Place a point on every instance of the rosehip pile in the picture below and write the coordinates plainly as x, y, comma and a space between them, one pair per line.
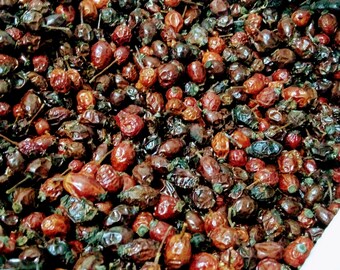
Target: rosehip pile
167, 134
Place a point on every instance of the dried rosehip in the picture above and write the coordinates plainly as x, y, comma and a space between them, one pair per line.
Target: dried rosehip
55, 225
297, 251
178, 251
101, 54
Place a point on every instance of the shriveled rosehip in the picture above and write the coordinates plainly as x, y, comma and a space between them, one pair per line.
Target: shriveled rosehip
194, 221
168, 207
52, 188
322, 38
328, 23
60, 81
82, 185
41, 126
269, 249
178, 251
220, 145
55, 225
122, 156
167, 75
67, 11
171, 147
40, 63
174, 92
108, 178
252, 24
76, 165
129, 124
215, 219
101, 54
172, 3
269, 263
254, 164
297, 251
254, 84
216, 44
121, 54
267, 97
204, 261
174, 19
33, 221
300, 95
88, 10
281, 75
191, 113
85, 100
4, 109
159, 228
240, 139
237, 157
141, 225
290, 162
223, 237
211, 56
148, 77
196, 72
211, 101
121, 35
301, 17
293, 140
267, 175
289, 183
100, 3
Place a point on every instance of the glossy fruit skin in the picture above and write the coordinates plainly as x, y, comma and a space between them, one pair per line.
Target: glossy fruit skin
269, 264
194, 221
33, 221
122, 156
301, 17
254, 164
289, 183
85, 100
178, 251
55, 225
297, 251
196, 72
174, 19
130, 124
121, 35
220, 145
168, 207
328, 23
141, 225
40, 63
67, 11
203, 261
269, 250
101, 54
159, 228
41, 126
223, 237
60, 81
237, 157
109, 179
293, 140
82, 185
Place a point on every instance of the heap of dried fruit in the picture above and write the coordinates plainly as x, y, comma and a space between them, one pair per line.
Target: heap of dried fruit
167, 134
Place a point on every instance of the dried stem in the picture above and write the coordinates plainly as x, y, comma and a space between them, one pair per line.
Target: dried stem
101, 72
9, 191
9, 140
36, 114
158, 254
